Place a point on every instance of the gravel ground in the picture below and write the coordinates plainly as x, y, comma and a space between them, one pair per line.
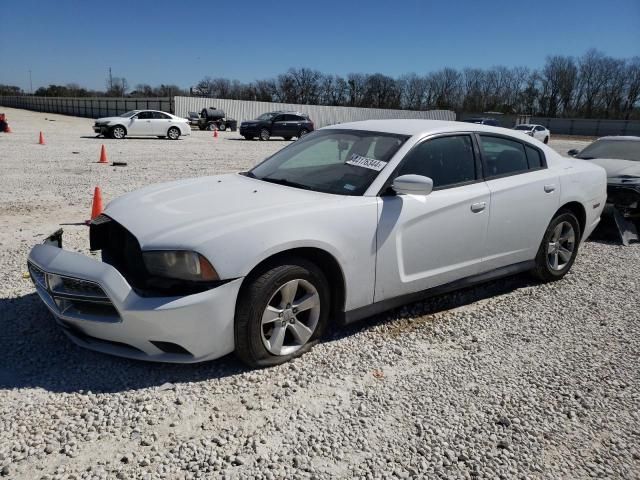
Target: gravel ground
510, 380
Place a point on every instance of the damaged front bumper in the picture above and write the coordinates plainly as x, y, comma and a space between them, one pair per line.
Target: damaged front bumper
98, 309
623, 205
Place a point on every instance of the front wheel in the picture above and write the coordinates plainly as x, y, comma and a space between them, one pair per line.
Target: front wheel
281, 313
118, 132
264, 134
559, 247
173, 133
303, 132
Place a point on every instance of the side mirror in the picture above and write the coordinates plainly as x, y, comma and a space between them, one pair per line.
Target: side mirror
573, 152
412, 185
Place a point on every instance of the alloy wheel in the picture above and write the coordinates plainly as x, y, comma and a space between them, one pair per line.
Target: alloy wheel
291, 317
561, 246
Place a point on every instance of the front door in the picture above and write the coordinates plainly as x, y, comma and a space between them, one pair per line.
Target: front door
428, 240
279, 127
140, 124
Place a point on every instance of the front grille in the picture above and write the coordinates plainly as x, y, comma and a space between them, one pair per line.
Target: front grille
76, 287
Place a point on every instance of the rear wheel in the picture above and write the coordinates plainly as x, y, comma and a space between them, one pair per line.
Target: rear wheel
303, 132
264, 134
211, 127
173, 133
559, 247
222, 127
281, 313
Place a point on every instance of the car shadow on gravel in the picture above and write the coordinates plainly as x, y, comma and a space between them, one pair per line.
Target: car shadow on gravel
397, 318
93, 137
36, 354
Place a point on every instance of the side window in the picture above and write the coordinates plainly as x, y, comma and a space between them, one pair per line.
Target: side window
534, 157
539, 128
290, 118
279, 118
503, 156
144, 115
446, 160
160, 116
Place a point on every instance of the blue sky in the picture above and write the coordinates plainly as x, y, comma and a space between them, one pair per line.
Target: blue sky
160, 41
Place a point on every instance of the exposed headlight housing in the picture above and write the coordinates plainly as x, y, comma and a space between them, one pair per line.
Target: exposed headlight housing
180, 265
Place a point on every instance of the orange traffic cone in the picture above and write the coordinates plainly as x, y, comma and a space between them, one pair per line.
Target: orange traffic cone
103, 155
41, 141
96, 207
7, 129
215, 133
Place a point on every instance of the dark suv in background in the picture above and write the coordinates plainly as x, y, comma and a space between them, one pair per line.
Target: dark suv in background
277, 124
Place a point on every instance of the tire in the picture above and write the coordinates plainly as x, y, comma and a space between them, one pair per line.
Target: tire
546, 140
248, 137
222, 127
263, 295
264, 135
303, 132
211, 127
118, 132
551, 263
287, 138
173, 133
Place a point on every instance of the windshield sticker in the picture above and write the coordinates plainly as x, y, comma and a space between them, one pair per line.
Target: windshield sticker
370, 163
348, 186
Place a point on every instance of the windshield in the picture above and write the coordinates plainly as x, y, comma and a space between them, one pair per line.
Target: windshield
621, 149
524, 127
128, 114
266, 116
344, 162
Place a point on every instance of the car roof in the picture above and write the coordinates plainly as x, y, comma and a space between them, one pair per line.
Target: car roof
417, 126
621, 137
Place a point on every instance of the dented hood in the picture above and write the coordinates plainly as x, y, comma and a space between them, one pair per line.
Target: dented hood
188, 212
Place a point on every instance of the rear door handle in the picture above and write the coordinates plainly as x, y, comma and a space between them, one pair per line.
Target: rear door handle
478, 207
549, 188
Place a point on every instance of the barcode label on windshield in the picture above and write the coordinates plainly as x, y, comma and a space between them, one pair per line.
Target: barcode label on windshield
370, 163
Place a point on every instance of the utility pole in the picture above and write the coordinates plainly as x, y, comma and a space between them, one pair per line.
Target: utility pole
110, 80
30, 83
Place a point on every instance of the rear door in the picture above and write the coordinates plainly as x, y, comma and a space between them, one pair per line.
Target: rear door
525, 194
428, 240
279, 127
160, 123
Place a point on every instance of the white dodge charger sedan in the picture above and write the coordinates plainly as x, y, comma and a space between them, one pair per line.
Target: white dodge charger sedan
349, 221
143, 123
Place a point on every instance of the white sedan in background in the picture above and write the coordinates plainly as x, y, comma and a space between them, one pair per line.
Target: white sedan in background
349, 221
143, 123
538, 132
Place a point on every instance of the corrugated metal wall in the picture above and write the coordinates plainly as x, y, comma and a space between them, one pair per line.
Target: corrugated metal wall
321, 115
92, 107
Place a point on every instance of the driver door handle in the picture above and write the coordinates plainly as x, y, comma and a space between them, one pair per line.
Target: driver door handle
549, 188
478, 207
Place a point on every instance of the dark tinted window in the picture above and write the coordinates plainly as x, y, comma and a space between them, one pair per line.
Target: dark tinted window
291, 118
160, 116
279, 118
534, 157
503, 156
145, 115
446, 160
539, 128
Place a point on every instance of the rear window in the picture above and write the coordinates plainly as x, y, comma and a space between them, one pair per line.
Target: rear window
534, 157
503, 156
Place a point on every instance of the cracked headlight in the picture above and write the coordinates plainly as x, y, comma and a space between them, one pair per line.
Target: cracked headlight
179, 264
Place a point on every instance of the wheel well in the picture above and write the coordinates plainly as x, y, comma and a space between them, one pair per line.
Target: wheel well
323, 260
118, 125
578, 210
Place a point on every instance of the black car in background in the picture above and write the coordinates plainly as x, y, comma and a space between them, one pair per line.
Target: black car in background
277, 124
